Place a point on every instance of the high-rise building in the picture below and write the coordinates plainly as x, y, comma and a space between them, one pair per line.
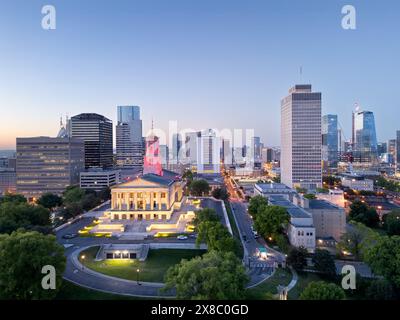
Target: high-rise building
330, 143
97, 133
191, 147
397, 158
152, 158
176, 147
267, 154
301, 138
226, 152
391, 147
256, 145
47, 164
129, 138
382, 148
208, 152
366, 144
164, 155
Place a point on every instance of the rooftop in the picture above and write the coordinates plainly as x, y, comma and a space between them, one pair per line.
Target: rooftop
293, 210
273, 187
321, 204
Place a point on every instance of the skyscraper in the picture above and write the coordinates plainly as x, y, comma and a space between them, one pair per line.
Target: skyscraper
365, 135
227, 152
208, 152
256, 145
97, 133
129, 140
397, 158
48, 165
301, 138
191, 147
330, 143
176, 147
152, 158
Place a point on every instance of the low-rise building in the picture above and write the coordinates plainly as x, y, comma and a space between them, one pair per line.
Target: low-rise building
357, 182
98, 179
301, 230
268, 189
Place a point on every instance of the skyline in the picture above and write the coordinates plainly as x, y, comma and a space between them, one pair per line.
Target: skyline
176, 59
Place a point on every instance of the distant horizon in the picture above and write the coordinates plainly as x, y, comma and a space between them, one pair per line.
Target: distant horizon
205, 64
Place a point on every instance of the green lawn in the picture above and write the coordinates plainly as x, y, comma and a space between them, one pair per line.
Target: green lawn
234, 227
268, 288
304, 279
152, 269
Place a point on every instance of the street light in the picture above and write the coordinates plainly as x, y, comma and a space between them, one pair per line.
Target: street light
83, 259
137, 279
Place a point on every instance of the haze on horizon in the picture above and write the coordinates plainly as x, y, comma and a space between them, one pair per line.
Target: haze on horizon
205, 64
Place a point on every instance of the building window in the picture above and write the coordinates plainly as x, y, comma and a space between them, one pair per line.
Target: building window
163, 195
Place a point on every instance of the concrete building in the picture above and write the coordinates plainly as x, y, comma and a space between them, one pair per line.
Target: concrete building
269, 189
227, 152
97, 133
8, 182
176, 148
98, 179
329, 220
47, 164
301, 231
129, 138
208, 153
164, 155
190, 148
301, 138
357, 182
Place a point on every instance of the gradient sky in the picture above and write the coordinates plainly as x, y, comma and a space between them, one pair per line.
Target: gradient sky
219, 64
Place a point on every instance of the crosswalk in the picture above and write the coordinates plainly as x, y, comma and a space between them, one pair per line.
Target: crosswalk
261, 269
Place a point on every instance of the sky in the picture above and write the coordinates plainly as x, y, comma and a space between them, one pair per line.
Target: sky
205, 64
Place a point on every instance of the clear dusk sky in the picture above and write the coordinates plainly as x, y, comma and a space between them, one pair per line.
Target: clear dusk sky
204, 63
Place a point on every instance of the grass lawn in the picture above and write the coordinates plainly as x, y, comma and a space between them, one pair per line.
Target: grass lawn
70, 291
152, 269
268, 288
234, 227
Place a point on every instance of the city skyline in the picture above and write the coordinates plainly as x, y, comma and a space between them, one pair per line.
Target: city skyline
184, 62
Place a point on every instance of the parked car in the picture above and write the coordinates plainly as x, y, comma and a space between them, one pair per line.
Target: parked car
69, 235
182, 237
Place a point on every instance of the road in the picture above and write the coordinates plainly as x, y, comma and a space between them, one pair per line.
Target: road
259, 269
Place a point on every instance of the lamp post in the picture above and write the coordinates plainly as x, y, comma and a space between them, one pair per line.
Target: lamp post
137, 279
83, 259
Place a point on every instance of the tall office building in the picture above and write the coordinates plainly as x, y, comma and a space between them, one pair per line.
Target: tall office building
176, 147
256, 146
330, 143
301, 138
191, 147
47, 164
164, 155
366, 145
382, 148
129, 140
397, 158
208, 152
97, 133
226, 152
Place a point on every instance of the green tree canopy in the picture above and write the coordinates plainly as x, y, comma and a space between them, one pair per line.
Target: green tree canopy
50, 200
199, 188
14, 216
205, 214
320, 290
392, 223
214, 276
188, 175
297, 258
324, 262
361, 212
220, 193
384, 258
380, 289
73, 194
14, 198
22, 257
256, 203
271, 220
357, 239
216, 236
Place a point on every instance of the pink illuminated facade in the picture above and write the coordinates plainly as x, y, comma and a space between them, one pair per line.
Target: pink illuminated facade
152, 158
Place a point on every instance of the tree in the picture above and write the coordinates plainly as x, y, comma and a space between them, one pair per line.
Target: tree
392, 223
214, 276
22, 215
72, 210
271, 220
199, 188
220, 193
384, 258
297, 258
50, 201
89, 201
256, 203
22, 257
361, 212
73, 194
380, 289
13, 198
205, 214
357, 239
188, 175
310, 196
324, 262
216, 236
320, 290
105, 194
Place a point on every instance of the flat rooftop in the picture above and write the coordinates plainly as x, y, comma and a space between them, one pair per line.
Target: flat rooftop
273, 187
321, 204
293, 210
